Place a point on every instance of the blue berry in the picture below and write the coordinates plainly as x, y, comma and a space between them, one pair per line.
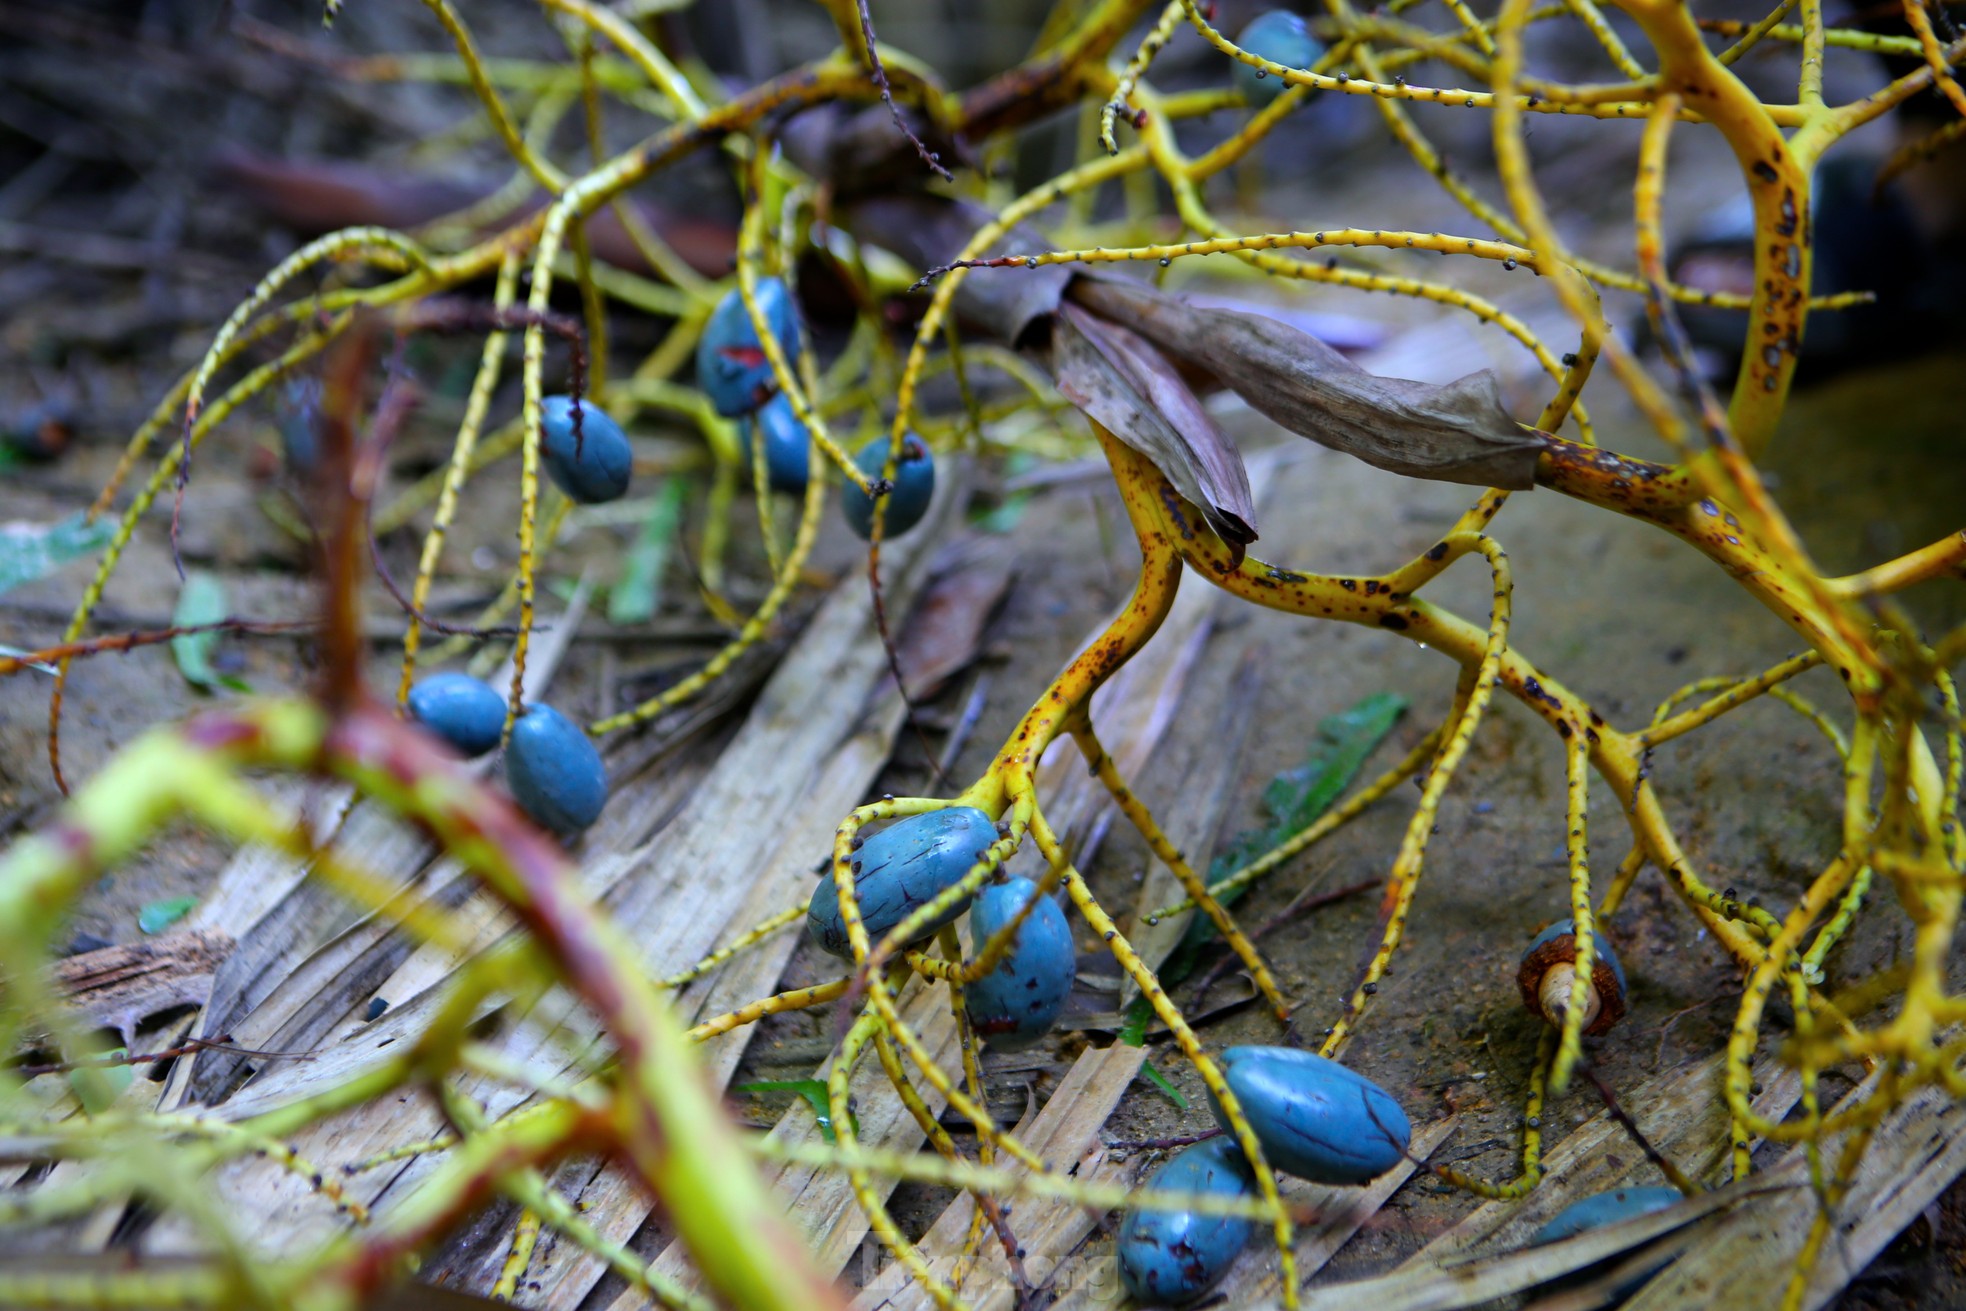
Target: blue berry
1597, 1212
1015, 1004
788, 445
731, 367
914, 488
298, 411
593, 466
466, 712
554, 771
1280, 37
898, 869
1170, 1257
1604, 1209
1315, 1118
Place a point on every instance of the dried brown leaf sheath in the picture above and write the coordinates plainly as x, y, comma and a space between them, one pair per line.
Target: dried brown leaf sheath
1131, 389
1453, 433
118, 987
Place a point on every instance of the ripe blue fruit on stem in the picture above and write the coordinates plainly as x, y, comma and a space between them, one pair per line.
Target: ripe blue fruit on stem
1015, 1004
467, 713
1315, 1118
903, 866
731, 366
554, 771
1549, 967
1280, 37
1171, 1257
1601, 1209
914, 488
788, 445
591, 466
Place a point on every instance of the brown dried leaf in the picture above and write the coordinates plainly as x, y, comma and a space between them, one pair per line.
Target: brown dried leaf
1476, 1283
118, 987
1065, 1134
1453, 433
31, 1267
929, 231
1916, 1150
1130, 388
1676, 1111
946, 630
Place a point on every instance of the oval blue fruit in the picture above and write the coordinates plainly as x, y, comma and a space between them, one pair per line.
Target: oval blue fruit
593, 466
731, 366
299, 413
1280, 37
1315, 1118
554, 771
1597, 1212
468, 713
898, 869
1015, 1004
1171, 1257
914, 488
788, 444
1603, 1209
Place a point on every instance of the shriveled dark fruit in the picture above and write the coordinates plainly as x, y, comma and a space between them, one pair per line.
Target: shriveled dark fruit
554, 771
731, 366
903, 866
1549, 966
1171, 1257
914, 488
1280, 37
467, 713
787, 442
1315, 1118
1015, 1004
591, 466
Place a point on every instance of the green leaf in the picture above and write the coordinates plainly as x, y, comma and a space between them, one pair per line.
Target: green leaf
814, 1092
1133, 1031
98, 1086
201, 601
1298, 796
31, 551
160, 915
1294, 799
1159, 1080
638, 591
